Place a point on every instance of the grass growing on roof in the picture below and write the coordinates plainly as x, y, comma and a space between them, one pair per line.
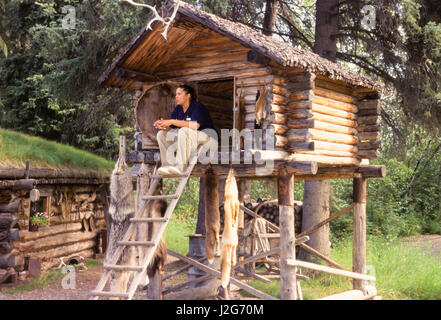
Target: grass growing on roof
16, 148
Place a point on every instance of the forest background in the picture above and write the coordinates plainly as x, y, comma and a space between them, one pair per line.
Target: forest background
49, 88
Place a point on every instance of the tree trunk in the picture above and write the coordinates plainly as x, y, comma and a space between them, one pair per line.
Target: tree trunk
269, 21
200, 225
326, 28
316, 193
315, 210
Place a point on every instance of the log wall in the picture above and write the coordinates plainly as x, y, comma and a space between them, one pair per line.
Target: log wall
368, 119
76, 218
275, 103
328, 123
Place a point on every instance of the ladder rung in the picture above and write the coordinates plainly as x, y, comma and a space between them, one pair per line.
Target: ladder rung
166, 196
122, 267
136, 243
109, 294
148, 220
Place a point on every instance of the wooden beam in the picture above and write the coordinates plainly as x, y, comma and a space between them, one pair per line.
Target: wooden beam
321, 224
217, 274
132, 74
301, 167
186, 284
12, 207
46, 173
338, 272
373, 171
353, 295
257, 257
22, 184
253, 275
321, 256
182, 269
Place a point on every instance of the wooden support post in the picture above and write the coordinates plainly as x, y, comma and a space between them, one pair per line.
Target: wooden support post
243, 187
359, 233
27, 169
288, 283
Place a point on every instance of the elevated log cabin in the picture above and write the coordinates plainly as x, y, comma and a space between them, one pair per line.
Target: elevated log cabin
319, 110
325, 117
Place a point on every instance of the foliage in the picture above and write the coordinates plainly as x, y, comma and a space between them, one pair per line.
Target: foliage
48, 82
187, 208
40, 219
402, 273
406, 202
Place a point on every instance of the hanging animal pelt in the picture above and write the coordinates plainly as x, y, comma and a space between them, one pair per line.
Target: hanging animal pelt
146, 231
260, 106
121, 209
212, 216
229, 235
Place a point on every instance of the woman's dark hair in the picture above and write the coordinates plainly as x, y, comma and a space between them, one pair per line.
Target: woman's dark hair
189, 90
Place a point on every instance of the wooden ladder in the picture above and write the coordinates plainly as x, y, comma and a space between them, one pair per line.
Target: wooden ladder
141, 270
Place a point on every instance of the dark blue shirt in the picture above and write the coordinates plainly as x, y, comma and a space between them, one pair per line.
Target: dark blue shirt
195, 112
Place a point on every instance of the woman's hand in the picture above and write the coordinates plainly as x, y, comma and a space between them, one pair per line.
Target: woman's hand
163, 124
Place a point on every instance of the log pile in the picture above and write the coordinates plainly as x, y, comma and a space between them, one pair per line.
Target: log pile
269, 210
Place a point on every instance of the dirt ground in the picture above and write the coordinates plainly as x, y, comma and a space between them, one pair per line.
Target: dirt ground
87, 280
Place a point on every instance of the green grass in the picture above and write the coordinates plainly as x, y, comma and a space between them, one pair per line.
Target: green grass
47, 278
16, 148
37, 282
401, 273
176, 234
92, 263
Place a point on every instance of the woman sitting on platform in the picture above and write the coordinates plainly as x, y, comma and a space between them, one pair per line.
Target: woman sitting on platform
186, 122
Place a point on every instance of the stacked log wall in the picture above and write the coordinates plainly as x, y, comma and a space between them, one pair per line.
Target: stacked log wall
275, 103
74, 225
369, 119
323, 121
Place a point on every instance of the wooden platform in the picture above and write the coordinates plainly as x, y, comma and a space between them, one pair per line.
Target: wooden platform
267, 164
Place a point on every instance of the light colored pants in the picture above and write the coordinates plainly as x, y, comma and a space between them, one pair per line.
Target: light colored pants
176, 146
